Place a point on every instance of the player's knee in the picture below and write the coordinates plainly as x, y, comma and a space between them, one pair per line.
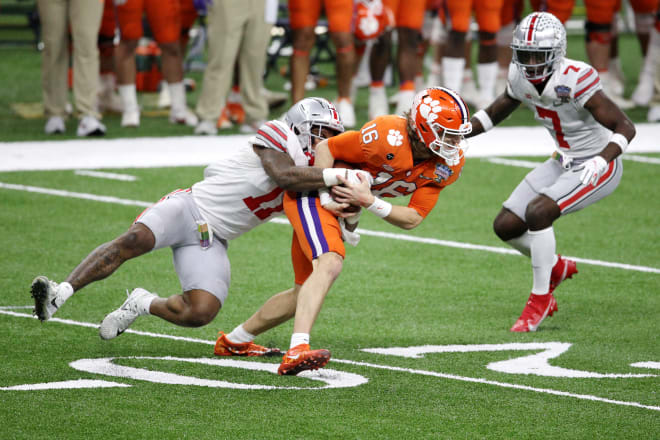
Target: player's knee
172, 49
303, 39
598, 32
508, 225
541, 212
199, 315
332, 263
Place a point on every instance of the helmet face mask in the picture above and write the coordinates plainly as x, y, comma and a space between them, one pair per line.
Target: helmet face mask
309, 117
539, 45
442, 120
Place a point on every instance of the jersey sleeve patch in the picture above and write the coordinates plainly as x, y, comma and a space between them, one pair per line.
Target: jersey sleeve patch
272, 135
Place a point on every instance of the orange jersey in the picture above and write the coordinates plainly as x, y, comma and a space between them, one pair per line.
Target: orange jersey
382, 148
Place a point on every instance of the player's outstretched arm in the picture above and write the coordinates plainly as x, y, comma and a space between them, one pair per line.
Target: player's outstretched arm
496, 112
281, 168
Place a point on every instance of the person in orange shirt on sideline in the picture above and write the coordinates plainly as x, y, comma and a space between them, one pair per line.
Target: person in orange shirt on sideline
164, 18
408, 18
418, 154
304, 15
453, 63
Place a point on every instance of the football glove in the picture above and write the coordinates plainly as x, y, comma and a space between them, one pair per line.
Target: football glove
592, 170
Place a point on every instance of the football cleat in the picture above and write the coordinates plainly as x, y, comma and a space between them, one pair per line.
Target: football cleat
55, 125
183, 116
301, 358
564, 268
46, 300
535, 311
224, 347
116, 323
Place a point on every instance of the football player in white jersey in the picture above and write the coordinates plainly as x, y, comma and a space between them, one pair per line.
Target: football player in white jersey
238, 193
590, 134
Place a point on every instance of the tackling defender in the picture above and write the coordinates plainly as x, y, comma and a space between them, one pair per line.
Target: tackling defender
590, 133
238, 193
419, 154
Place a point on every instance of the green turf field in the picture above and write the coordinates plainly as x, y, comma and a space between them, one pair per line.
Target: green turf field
594, 376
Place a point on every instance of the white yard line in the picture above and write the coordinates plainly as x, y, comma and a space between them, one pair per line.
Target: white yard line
105, 175
378, 366
402, 237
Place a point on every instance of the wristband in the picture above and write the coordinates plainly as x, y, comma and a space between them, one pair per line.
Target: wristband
485, 120
330, 175
620, 140
380, 207
354, 218
324, 196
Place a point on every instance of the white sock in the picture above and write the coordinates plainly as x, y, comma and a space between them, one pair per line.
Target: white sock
542, 248
145, 303
107, 83
452, 72
64, 292
239, 335
128, 96
178, 96
521, 244
487, 73
299, 338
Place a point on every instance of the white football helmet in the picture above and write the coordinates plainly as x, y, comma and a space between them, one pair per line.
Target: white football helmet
309, 116
539, 45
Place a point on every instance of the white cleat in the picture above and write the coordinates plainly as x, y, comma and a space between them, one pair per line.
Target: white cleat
184, 116
90, 126
46, 299
55, 125
130, 118
206, 127
654, 114
116, 323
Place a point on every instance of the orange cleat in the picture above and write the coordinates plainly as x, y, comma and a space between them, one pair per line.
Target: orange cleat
224, 347
563, 269
301, 358
535, 311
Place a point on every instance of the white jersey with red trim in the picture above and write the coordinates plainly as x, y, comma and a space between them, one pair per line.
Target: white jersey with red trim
560, 108
236, 194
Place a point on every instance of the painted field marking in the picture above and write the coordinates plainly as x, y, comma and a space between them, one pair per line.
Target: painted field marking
533, 164
402, 237
106, 175
382, 367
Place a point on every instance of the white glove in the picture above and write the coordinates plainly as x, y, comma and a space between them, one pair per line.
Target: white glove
352, 238
592, 170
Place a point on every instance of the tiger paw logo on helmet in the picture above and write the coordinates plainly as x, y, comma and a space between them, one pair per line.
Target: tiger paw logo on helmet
394, 138
429, 109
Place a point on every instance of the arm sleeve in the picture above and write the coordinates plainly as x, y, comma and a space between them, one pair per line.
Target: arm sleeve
424, 199
347, 147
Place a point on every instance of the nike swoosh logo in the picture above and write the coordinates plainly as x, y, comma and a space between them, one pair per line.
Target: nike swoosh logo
293, 358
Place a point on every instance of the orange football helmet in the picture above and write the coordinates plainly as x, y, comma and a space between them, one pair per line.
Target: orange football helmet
372, 18
442, 120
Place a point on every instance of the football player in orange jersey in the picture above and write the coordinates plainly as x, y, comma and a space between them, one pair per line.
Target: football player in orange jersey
453, 64
304, 15
409, 19
418, 154
165, 20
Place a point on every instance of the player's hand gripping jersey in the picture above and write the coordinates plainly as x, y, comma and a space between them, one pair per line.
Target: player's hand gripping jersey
382, 147
236, 194
560, 108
